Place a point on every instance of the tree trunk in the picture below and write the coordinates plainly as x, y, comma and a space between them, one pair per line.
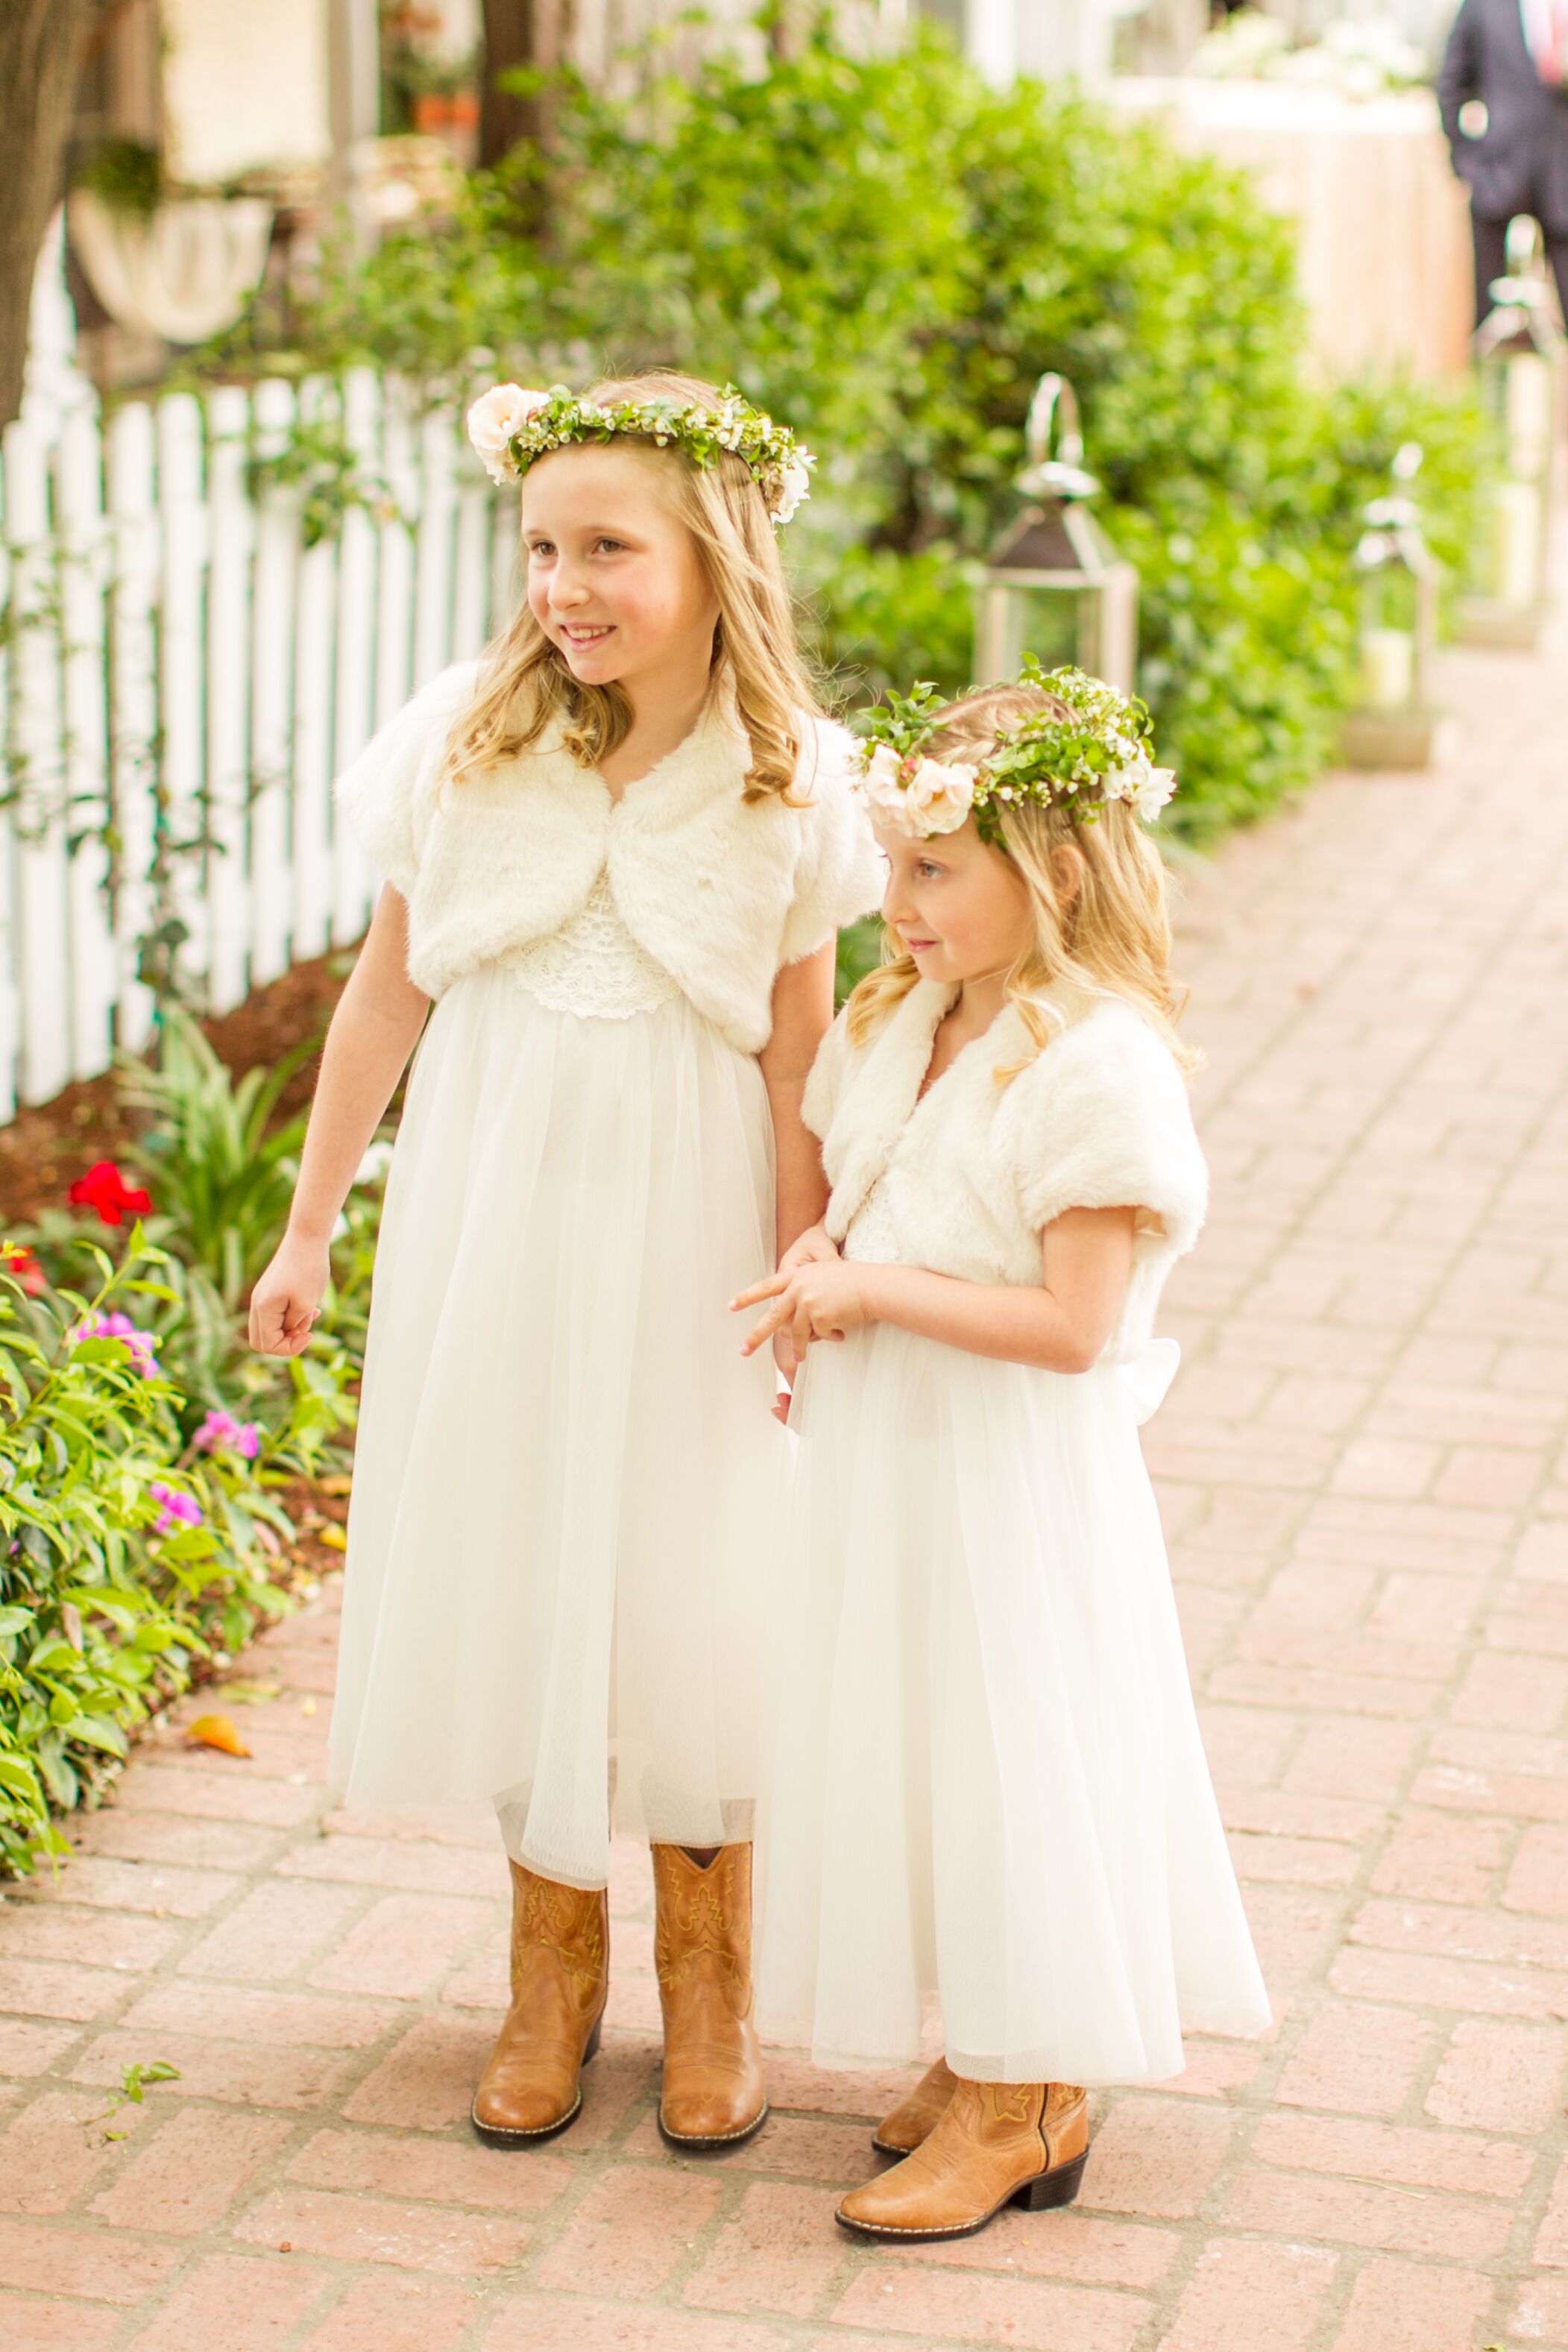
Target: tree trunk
516, 33
38, 53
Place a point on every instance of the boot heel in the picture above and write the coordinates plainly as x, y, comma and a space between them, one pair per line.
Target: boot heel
1057, 2186
593, 2043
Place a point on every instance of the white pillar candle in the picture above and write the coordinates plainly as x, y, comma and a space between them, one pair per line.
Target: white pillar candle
1517, 543
1527, 413
1387, 667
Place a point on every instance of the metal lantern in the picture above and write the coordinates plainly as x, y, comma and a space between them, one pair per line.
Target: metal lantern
1055, 586
1392, 725
1519, 354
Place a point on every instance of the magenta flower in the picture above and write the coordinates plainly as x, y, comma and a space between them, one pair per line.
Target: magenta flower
141, 1344
220, 1428
174, 1509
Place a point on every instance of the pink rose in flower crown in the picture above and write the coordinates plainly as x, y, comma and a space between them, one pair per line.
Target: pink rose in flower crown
916, 797
939, 796
496, 416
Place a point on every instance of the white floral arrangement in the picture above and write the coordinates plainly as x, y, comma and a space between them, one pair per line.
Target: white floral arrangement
1355, 58
1099, 753
511, 427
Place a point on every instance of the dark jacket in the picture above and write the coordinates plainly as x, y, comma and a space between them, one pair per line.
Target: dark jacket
1519, 164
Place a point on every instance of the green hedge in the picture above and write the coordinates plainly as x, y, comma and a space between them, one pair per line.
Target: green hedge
145, 1453
890, 253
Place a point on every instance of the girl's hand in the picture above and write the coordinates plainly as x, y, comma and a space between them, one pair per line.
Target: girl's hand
287, 1299
823, 1299
812, 1248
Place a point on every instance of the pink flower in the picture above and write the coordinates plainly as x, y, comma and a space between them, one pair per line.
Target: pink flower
141, 1344
220, 1428
496, 418
174, 1509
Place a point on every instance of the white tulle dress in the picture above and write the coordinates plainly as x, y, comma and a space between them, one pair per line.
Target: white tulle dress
559, 1548
989, 1790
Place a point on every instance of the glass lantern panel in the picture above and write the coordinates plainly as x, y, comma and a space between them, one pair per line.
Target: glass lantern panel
1509, 558
1389, 617
1051, 624
1519, 389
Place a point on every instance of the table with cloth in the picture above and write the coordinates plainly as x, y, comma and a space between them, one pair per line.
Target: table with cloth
1385, 244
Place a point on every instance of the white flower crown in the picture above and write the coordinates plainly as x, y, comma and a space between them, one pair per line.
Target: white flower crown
1098, 753
511, 429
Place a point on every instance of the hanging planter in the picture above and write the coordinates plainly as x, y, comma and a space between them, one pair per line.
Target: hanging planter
183, 270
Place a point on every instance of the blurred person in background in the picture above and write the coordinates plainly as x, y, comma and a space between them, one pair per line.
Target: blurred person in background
1508, 59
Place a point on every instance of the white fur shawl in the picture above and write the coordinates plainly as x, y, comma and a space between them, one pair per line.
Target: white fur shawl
719, 891
973, 1170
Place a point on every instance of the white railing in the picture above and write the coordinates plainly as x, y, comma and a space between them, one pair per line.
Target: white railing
207, 606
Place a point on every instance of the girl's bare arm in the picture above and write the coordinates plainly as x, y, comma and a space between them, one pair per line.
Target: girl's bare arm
373, 1030
802, 1014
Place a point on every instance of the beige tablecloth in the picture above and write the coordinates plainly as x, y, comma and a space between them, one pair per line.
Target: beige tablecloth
1386, 265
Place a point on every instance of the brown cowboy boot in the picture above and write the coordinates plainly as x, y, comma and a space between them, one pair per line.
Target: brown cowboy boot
996, 2144
561, 1978
900, 2133
713, 2090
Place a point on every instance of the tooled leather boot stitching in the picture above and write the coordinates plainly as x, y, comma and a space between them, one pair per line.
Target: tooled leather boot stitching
713, 2093
901, 2132
561, 1978
995, 2144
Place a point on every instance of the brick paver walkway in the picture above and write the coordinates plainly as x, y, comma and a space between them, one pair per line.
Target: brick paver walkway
1368, 1493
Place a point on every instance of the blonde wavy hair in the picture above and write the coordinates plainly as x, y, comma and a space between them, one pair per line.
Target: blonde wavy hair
1096, 893
524, 684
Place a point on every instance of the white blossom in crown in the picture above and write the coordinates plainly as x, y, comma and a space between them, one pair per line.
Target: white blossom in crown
1139, 780
493, 421
794, 484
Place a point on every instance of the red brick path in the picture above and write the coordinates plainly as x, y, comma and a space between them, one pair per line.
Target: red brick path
1364, 1471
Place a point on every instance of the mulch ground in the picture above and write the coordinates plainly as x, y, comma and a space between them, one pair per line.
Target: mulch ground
45, 1147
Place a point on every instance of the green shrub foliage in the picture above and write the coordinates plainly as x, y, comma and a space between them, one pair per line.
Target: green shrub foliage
134, 1536
145, 1451
890, 253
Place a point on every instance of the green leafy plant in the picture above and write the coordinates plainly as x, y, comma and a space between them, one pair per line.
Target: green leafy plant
130, 1542
126, 173
887, 252
223, 1174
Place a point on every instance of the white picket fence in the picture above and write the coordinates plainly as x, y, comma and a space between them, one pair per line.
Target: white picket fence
178, 667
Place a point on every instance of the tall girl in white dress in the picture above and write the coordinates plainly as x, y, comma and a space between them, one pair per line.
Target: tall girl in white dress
616, 852
989, 1785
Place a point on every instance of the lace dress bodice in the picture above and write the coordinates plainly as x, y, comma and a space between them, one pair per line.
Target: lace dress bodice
870, 1236
592, 966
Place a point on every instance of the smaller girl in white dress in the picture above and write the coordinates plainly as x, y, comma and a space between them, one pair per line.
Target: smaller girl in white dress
988, 1783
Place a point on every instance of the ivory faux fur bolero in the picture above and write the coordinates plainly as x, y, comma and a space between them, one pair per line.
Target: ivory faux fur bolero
719, 891
973, 1170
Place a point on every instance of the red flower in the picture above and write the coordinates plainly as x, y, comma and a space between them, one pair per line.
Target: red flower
22, 1266
103, 1188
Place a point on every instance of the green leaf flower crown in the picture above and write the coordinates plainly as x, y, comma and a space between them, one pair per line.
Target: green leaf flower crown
511, 427
1100, 752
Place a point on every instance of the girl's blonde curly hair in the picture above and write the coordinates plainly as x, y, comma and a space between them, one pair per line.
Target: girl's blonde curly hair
1100, 917
524, 684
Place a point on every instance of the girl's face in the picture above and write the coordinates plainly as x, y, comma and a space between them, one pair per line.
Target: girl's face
959, 907
615, 580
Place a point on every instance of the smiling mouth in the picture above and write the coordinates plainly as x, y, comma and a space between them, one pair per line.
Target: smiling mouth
584, 634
